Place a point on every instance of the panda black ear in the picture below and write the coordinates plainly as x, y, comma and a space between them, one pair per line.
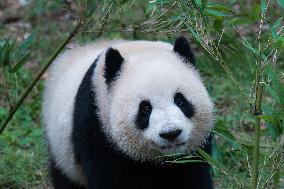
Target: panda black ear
182, 47
113, 64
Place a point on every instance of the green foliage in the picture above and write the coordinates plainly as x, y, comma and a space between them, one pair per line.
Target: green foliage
14, 58
23, 155
281, 3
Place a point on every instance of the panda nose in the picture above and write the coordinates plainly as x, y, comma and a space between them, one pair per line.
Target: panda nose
170, 134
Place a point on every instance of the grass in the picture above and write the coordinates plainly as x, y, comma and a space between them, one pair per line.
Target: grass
23, 161
23, 153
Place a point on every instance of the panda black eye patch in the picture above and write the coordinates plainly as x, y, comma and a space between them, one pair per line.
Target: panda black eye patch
185, 106
143, 115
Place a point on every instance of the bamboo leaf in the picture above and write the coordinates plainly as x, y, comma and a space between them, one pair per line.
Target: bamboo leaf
199, 3
241, 21
279, 42
277, 23
281, 3
271, 75
248, 45
218, 23
26, 44
269, 119
204, 3
3, 51
255, 12
195, 35
122, 2
278, 114
220, 8
187, 161
272, 92
221, 130
201, 11
7, 51
172, 155
217, 13
263, 6
151, 6
273, 28
212, 161
274, 125
20, 63
232, 2
275, 131
276, 85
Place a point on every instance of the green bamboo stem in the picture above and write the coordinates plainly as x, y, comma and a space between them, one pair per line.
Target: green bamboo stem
257, 112
257, 106
23, 96
258, 102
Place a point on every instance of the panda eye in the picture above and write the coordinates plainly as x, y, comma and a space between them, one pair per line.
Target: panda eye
146, 109
178, 99
185, 106
143, 115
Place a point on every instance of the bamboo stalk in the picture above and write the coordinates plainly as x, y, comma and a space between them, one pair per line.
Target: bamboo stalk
23, 96
258, 102
257, 112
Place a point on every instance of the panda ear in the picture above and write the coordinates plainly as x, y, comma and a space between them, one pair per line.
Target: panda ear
182, 47
113, 64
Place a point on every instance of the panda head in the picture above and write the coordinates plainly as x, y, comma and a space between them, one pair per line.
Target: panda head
158, 104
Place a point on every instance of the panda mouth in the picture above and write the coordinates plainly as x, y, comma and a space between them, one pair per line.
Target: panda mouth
170, 146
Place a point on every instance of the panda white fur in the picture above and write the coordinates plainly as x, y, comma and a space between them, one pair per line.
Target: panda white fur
113, 107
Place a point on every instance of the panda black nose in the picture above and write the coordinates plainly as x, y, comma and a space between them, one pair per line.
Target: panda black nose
170, 134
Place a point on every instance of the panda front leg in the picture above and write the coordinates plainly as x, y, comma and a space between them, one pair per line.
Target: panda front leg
89, 170
84, 154
59, 180
90, 156
97, 170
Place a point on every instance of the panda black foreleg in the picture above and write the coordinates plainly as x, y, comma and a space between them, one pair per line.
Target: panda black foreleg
86, 154
59, 180
203, 178
205, 169
89, 170
97, 168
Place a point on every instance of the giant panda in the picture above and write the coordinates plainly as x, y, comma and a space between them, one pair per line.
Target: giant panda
114, 110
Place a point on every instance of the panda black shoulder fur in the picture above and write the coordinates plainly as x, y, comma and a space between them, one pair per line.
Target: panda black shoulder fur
112, 108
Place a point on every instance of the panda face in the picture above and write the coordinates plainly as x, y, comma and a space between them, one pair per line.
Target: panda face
167, 124
158, 105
